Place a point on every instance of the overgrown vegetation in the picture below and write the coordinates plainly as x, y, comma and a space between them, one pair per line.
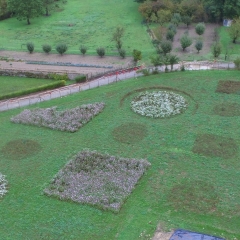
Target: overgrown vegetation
69, 120
97, 179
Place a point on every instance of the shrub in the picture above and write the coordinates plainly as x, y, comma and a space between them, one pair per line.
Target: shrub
186, 41
83, 49
122, 53
186, 20
30, 47
81, 78
237, 63
172, 28
176, 19
166, 46
59, 77
137, 55
170, 35
61, 48
157, 61
199, 45
46, 48
146, 72
216, 49
200, 28
173, 59
101, 51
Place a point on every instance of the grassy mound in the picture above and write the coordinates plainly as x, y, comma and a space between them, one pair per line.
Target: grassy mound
97, 179
215, 146
21, 148
195, 196
130, 132
228, 87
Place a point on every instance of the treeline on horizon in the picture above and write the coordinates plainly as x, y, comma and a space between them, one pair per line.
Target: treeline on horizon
198, 10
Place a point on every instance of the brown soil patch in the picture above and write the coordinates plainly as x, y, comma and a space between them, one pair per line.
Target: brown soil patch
228, 87
17, 61
211, 145
194, 196
208, 39
130, 132
21, 148
227, 109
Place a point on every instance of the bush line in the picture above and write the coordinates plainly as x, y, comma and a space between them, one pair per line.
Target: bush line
33, 90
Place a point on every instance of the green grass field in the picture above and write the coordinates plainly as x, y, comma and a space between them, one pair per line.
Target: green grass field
193, 182
227, 45
90, 24
15, 84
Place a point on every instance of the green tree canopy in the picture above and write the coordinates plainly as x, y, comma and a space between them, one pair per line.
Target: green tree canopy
26, 9
234, 30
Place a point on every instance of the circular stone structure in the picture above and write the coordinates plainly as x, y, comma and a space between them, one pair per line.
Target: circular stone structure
20, 148
130, 132
159, 104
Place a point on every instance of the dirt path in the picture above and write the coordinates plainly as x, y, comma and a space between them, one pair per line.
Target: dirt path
16, 61
208, 38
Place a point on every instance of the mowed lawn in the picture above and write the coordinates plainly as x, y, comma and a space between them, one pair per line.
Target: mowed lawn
16, 84
78, 23
193, 182
228, 47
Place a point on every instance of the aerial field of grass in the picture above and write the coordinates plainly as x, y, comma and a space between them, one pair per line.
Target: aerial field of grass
80, 23
192, 183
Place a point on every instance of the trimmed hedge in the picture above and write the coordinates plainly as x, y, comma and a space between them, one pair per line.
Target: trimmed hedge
34, 90
80, 79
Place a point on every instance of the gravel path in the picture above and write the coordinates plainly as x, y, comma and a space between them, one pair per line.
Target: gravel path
16, 61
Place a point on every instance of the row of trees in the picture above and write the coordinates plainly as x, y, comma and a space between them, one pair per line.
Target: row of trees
27, 9
198, 10
62, 48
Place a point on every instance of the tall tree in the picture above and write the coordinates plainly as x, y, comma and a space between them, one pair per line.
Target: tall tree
220, 9
26, 9
3, 7
234, 30
47, 6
